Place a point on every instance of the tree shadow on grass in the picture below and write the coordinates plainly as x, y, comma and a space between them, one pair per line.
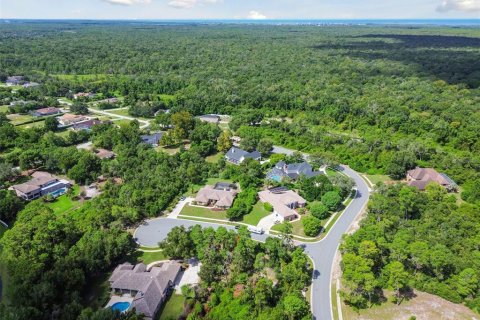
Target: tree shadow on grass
454, 59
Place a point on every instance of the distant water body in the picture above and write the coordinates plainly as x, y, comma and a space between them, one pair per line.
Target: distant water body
319, 22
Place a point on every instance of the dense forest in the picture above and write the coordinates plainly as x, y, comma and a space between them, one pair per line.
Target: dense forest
414, 240
380, 99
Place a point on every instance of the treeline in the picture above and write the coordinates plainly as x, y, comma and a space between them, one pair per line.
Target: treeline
412, 240
241, 278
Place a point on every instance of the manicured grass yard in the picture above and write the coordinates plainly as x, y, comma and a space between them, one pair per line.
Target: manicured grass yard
64, 203
170, 151
375, 178
3, 109
214, 158
121, 112
203, 213
258, 212
149, 257
122, 122
173, 309
17, 119
298, 226
36, 124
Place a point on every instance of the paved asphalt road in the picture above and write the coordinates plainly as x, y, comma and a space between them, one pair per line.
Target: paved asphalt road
156, 230
322, 252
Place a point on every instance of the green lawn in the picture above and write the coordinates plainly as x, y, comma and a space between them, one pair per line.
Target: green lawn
149, 257
17, 119
170, 151
203, 213
36, 124
121, 112
64, 203
298, 226
214, 158
173, 309
375, 178
122, 122
3, 109
258, 212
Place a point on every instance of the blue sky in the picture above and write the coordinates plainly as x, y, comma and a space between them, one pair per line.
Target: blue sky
240, 9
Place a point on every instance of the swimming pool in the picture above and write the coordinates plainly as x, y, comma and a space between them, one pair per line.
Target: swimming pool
58, 192
121, 306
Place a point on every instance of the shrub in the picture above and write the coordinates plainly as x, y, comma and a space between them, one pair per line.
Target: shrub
311, 226
268, 207
331, 200
319, 210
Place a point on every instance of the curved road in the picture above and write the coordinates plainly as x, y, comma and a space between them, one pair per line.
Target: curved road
322, 252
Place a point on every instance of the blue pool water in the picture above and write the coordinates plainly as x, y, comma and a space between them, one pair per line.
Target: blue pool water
121, 306
58, 192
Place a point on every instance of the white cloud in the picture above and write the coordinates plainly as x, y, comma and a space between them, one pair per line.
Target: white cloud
127, 2
255, 15
187, 4
459, 5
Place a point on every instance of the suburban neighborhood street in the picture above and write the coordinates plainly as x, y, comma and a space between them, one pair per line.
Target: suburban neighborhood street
322, 252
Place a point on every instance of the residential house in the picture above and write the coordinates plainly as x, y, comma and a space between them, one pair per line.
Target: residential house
421, 177
237, 156
283, 201
108, 100
210, 118
86, 125
292, 171
30, 84
148, 289
83, 95
104, 153
14, 80
50, 111
220, 196
42, 183
69, 119
152, 139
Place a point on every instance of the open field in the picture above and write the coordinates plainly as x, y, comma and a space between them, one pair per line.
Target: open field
203, 213
423, 306
258, 212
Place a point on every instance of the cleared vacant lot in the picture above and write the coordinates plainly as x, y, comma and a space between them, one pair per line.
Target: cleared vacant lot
424, 307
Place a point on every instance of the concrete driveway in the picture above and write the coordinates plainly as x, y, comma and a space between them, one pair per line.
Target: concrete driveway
179, 207
266, 223
189, 276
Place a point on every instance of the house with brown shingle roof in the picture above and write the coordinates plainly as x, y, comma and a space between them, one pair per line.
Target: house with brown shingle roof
218, 196
421, 177
149, 288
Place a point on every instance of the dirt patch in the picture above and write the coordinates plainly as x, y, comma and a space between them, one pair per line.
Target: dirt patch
424, 307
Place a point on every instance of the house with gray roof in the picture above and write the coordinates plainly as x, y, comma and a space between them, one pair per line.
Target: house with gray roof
237, 156
148, 287
292, 171
152, 139
42, 183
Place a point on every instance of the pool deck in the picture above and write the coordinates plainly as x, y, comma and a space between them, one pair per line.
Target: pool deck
115, 299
